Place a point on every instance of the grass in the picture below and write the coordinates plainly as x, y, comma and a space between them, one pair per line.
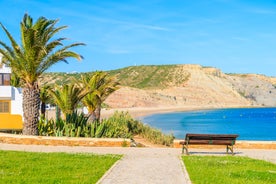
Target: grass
28, 167
229, 169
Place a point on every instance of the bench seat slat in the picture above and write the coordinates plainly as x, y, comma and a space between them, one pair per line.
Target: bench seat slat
214, 142
212, 135
210, 138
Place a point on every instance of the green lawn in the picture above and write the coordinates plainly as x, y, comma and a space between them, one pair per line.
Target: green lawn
27, 167
229, 169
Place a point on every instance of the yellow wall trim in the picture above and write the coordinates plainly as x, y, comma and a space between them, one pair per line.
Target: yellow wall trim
11, 122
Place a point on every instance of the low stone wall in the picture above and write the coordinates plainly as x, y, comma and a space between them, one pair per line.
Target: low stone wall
239, 144
63, 141
115, 142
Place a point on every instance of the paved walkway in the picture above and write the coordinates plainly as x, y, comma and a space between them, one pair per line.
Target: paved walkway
144, 165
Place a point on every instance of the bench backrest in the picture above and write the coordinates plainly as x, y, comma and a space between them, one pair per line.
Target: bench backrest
211, 138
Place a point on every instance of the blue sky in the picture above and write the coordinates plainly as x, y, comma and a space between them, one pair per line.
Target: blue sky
234, 36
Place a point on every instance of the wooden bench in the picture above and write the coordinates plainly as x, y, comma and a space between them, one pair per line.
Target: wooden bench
210, 139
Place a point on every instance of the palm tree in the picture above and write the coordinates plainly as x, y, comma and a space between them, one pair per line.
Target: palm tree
89, 83
100, 85
67, 97
38, 51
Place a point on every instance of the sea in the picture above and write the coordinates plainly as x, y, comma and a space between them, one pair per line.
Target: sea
250, 123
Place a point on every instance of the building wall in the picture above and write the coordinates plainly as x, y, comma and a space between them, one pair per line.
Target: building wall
16, 102
5, 92
4, 69
14, 118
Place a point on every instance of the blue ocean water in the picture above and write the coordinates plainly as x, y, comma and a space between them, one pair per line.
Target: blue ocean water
249, 123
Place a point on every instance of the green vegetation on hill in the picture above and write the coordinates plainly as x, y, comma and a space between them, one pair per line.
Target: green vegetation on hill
153, 76
143, 77
60, 77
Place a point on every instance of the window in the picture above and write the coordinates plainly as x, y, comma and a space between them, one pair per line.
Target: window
4, 106
5, 79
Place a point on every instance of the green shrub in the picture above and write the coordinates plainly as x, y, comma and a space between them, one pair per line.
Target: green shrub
156, 136
135, 127
120, 125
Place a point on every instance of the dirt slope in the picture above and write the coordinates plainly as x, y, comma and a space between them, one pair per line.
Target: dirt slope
194, 85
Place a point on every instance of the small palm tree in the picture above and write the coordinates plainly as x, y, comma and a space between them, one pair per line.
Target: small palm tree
67, 97
100, 85
38, 51
89, 83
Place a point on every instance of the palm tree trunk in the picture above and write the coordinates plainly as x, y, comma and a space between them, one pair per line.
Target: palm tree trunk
92, 116
98, 112
58, 113
43, 109
31, 102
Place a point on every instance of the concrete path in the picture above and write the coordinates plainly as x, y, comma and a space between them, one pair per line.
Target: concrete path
145, 165
148, 165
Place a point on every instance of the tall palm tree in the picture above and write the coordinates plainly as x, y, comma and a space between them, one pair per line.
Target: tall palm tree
100, 85
38, 51
67, 97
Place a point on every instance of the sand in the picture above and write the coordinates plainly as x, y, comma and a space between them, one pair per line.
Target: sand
137, 112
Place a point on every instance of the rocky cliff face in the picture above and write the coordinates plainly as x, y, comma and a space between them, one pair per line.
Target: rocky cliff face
194, 85
259, 90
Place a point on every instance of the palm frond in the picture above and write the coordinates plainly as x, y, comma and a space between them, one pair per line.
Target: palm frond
13, 42
67, 97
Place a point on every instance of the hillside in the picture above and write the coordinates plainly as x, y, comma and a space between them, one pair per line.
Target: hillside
190, 85
185, 85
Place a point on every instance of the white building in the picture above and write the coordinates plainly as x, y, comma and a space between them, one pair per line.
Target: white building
11, 112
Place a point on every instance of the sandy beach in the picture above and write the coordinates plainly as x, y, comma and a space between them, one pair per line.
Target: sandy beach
137, 112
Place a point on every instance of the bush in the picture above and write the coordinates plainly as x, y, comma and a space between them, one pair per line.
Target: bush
120, 125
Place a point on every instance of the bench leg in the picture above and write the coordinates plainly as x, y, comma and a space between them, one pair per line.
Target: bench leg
228, 147
185, 147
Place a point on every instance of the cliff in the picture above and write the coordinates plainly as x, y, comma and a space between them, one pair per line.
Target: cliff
190, 85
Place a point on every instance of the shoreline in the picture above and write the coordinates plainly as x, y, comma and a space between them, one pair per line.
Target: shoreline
138, 112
